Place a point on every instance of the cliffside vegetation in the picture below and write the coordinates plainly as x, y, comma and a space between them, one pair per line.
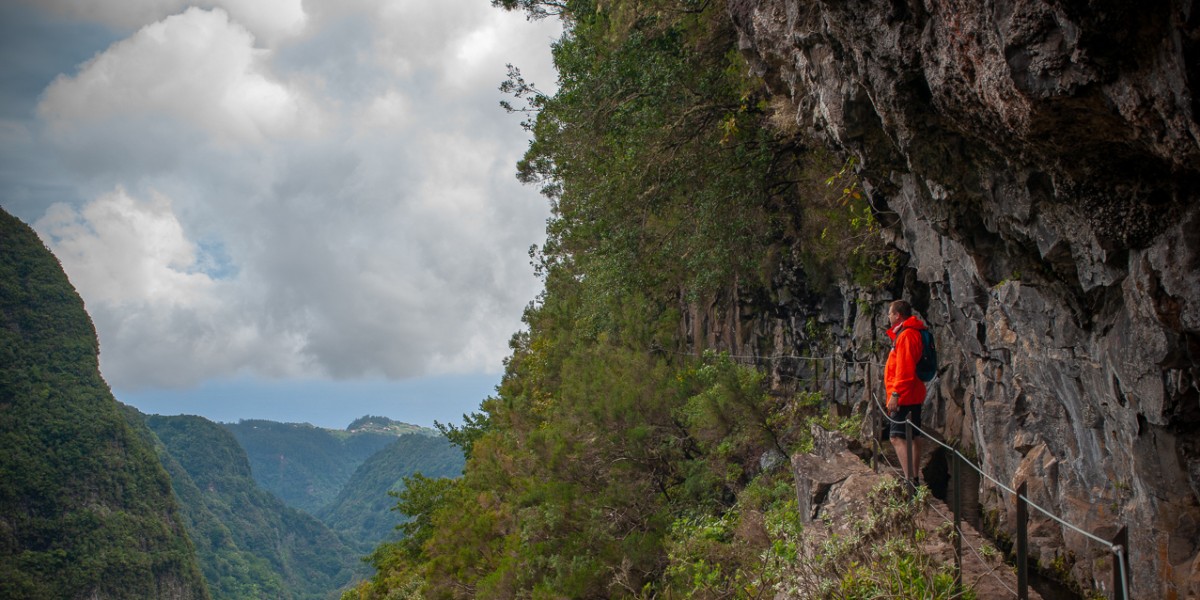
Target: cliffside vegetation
620, 459
85, 508
1038, 162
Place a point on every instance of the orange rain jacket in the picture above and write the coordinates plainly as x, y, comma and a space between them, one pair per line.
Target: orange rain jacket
900, 374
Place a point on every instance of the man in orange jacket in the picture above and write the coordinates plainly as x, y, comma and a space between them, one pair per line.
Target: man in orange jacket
905, 392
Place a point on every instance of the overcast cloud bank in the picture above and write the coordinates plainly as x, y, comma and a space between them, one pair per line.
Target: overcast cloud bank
277, 189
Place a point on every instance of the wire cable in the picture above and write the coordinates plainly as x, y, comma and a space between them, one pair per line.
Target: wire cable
1116, 550
961, 534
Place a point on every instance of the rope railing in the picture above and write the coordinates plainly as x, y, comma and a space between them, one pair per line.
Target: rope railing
1120, 566
961, 535
1118, 550
994, 480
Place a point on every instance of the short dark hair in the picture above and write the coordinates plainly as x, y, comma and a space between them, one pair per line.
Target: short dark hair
902, 308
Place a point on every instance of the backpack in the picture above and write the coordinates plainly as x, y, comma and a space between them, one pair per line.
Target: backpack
927, 365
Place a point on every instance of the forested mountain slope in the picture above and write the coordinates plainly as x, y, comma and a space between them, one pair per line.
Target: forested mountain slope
307, 466
86, 511
737, 190
362, 511
250, 544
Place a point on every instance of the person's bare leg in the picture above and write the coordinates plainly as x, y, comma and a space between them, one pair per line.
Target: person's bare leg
902, 454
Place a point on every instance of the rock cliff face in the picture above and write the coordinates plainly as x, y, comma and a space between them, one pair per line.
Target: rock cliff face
1042, 160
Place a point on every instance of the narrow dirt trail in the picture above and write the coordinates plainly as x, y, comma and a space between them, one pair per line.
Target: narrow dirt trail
840, 496
984, 567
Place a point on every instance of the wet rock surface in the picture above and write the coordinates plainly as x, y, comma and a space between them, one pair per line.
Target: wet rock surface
1043, 163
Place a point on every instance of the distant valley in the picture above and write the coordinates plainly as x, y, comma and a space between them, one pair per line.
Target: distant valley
307, 466
287, 510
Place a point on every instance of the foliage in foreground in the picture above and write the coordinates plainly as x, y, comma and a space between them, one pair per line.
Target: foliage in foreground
875, 555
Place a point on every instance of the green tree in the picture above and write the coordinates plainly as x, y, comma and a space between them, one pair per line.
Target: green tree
657, 177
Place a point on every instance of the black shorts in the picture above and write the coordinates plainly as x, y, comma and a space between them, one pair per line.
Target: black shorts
911, 412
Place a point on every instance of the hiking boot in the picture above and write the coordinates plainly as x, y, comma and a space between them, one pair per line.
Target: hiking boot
912, 487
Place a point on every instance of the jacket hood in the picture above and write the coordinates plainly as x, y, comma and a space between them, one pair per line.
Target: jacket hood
910, 323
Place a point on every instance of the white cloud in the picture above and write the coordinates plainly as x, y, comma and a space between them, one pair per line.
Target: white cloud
160, 318
475, 59
268, 19
388, 112
197, 68
122, 251
411, 35
338, 202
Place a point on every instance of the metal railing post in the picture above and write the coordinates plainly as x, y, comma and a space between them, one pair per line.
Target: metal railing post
1022, 544
956, 474
1121, 564
833, 369
1118, 545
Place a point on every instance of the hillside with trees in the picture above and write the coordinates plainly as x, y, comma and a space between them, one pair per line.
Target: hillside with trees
307, 466
617, 460
362, 511
86, 510
249, 543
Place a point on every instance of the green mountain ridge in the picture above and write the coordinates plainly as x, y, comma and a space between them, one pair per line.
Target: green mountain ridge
377, 424
307, 466
100, 501
86, 510
343, 477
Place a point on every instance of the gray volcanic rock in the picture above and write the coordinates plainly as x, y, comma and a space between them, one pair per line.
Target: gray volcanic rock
1043, 162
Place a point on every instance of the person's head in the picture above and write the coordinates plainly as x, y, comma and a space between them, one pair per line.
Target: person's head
898, 311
